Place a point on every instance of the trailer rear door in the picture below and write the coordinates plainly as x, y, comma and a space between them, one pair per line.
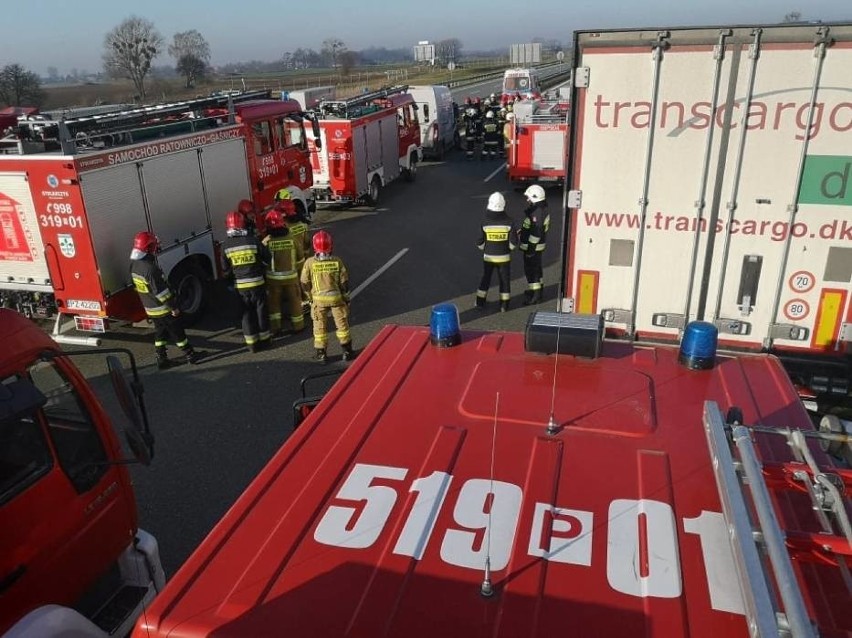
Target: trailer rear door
702, 196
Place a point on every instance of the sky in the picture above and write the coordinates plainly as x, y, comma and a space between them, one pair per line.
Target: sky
69, 35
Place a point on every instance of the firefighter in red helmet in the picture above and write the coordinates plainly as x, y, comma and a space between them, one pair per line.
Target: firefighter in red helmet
158, 300
297, 224
245, 260
326, 282
254, 221
282, 276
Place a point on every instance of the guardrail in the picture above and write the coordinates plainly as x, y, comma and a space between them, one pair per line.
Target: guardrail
548, 73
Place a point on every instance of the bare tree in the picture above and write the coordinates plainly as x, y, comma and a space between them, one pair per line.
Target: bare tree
129, 49
448, 50
793, 16
348, 60
331, 49
192, 55
19, 87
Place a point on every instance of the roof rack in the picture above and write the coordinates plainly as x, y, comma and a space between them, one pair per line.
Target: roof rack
353, 107
71, 135
753, 524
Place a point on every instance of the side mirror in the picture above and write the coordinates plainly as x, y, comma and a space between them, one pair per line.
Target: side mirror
137, 434
315, 127
425, 112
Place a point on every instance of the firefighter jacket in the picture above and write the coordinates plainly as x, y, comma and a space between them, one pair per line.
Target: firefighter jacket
472, 126
282, 256
150, 283
496, 239
299, 232
534, 228
326, 281
245, 258
491, 129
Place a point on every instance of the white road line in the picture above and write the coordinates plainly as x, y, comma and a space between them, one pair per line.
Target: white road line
497, 170
376, 274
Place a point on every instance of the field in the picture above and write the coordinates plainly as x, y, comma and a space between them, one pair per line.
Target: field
358, 79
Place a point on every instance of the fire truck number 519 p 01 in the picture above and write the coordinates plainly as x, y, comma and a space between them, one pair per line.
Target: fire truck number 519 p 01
636, 528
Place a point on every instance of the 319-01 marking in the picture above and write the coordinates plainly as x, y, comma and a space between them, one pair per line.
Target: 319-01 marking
61, 221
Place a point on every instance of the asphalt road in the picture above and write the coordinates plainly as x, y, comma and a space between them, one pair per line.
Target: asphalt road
217, 423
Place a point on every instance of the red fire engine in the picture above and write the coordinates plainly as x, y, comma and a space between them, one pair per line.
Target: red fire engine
480, 484
73, 193
73, 560
368, 142
538, 140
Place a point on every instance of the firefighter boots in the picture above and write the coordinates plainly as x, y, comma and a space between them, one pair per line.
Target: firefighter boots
504, 306
348, 353
194, 356
536, 296
163, 362
528, 297
320, 356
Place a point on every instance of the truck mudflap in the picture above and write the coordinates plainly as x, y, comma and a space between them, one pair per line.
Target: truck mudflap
732, 205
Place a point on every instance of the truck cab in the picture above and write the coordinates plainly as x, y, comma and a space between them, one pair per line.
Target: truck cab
71, 552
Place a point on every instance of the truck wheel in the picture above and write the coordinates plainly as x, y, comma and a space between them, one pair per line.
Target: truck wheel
189, 282
439, 154
375, 191
411, 172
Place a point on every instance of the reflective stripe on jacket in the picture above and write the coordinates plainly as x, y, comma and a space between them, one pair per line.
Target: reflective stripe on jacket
246, 257
497, 237
326, 280
535, 227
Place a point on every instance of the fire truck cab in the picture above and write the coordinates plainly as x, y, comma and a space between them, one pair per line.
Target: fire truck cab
73, 560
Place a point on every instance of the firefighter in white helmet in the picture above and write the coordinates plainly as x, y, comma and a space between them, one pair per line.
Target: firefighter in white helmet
491, 134
532, 241
496, 241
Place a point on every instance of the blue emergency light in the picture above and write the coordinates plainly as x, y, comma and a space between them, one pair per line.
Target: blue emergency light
444, 329
698, 346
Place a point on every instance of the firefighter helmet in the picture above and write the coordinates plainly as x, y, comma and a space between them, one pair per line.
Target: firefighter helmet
468, 101
470, 112
510, 116
322, 242
274, 219
534, 193
282, 194
235, 220
146, 242
489, 115
496, 202
492, 97
246, 207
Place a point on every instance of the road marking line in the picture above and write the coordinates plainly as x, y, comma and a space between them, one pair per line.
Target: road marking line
376, 274
497, 170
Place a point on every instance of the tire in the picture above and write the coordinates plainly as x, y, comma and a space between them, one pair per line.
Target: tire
190, 285
375, 191
439, 153
410, 173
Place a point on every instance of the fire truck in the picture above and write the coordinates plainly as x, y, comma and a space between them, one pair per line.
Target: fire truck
539, 140
74, 192
368, 141
464, 483
709, 178
73, 560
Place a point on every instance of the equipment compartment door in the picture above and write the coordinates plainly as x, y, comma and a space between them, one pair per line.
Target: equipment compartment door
22, 260
225, 180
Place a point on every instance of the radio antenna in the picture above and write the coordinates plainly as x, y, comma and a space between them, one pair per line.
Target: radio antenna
552, 425
486, 589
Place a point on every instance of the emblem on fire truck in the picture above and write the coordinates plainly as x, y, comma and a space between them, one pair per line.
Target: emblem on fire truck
66, 246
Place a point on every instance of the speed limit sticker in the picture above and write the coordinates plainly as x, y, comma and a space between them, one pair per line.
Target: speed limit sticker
796, 309
801, 281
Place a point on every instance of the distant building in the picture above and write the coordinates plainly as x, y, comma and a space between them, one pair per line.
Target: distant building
424, 52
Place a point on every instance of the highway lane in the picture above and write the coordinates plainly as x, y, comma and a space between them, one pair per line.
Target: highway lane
218, 423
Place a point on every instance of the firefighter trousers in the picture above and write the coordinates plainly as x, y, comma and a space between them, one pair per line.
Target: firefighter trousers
169, 327
503, 276
533, 270
255, 315
340, 314
285, 304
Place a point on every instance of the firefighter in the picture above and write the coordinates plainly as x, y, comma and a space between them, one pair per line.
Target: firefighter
282, 276
297, 224
254, 222
532, 237
158, 300
491, 134
471, 132
245, 259
496, 241
508, 133
326, 282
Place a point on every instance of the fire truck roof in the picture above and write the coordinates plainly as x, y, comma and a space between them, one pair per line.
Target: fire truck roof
425, 496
